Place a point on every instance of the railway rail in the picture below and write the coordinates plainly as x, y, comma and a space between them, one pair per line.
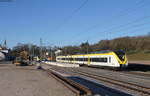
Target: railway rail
124, 71
131, 87
75, 87
96, 90
137, 73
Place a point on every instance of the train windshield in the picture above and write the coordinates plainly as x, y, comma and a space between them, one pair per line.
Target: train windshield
120, 54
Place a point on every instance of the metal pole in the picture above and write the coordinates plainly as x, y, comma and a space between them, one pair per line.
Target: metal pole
87, 47
41, 55
50, 53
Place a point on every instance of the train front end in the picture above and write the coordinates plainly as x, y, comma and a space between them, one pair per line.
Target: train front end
122, 59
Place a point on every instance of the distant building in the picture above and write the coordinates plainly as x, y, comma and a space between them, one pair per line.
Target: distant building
58, 52
5, 50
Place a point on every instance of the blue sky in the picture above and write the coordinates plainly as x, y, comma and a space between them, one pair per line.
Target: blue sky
70, 22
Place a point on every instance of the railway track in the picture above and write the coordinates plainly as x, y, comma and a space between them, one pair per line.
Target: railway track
138, 73
75, 87
131, 86
124, 72
135, 74
95, 88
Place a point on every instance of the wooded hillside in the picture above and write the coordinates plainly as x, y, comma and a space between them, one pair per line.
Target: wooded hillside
128, 44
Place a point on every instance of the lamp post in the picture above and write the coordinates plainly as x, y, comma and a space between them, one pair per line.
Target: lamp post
51, 52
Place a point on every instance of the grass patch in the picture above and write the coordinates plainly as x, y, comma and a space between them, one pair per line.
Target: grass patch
139, 56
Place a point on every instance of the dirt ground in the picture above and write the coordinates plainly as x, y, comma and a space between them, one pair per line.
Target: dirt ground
28, 81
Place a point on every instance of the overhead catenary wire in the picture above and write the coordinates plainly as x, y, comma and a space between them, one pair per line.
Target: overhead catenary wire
143, 5
134, 26
140, 3
124, 29
123, 25
121, 14
72, 14
129, 28
125, 12
138, 28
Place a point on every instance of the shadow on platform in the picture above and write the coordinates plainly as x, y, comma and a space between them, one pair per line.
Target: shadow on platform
97, 88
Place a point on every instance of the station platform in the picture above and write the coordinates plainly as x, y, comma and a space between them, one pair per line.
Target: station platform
61, 64
28, 81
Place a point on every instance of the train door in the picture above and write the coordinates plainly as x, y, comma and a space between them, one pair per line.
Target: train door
88, 60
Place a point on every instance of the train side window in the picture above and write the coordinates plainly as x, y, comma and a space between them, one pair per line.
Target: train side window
105, 59
63, 58
70, 59
109, 59
79, 59
75, 59
85, 59
67, 59
59, 58
99, 59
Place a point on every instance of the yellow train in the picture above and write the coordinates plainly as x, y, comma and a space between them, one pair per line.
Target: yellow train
113, 59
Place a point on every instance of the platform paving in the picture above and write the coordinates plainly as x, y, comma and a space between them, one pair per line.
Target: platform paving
28, 81
62, 64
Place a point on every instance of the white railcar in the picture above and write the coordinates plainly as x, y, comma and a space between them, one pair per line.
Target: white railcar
114, 59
